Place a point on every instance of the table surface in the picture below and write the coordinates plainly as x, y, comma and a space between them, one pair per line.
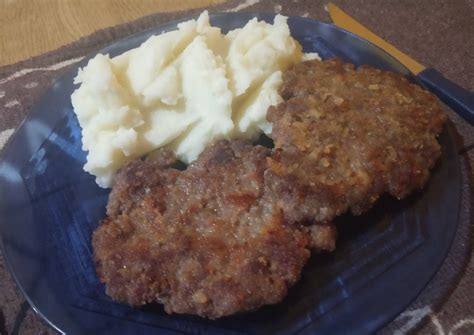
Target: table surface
438, 33
29, 28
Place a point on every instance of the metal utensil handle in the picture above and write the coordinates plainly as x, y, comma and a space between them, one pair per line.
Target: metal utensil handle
453, 95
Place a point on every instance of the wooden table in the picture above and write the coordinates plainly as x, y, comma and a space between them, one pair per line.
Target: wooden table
32, 27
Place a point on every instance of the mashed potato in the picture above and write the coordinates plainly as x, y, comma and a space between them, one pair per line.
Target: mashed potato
181, 90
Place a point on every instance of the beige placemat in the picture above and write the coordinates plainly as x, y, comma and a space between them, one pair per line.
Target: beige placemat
437, 33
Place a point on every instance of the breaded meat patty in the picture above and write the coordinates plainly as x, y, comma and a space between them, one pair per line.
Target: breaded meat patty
205, 241
343, 136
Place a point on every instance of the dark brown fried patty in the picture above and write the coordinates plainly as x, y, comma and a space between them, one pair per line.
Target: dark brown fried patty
208, 240
343, 136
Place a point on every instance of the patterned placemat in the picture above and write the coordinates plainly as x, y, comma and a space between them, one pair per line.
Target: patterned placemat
437, 33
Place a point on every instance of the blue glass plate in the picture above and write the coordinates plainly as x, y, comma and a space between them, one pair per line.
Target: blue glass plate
49, 208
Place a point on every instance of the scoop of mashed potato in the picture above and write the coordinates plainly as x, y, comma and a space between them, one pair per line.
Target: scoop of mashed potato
181, 90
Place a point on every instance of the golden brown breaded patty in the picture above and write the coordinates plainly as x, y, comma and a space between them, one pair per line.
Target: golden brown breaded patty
344, 136
204, 241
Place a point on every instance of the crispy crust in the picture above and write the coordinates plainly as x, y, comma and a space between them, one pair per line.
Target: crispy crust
205, 241
344, 136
